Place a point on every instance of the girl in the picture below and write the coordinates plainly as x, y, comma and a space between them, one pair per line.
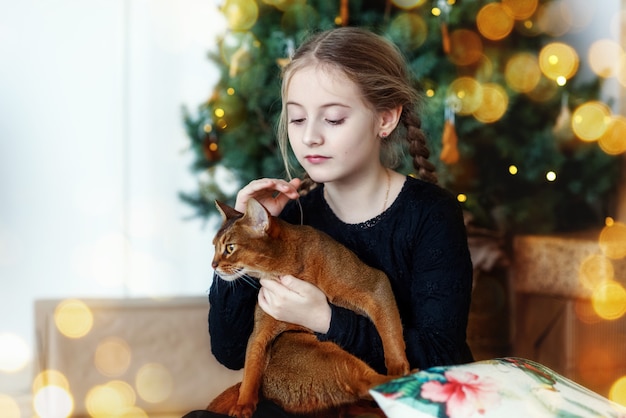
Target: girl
347, 98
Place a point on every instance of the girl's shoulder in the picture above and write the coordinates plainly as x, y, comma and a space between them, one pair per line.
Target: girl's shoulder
423, 193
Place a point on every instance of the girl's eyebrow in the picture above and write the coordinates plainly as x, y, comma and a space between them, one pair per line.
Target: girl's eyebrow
322, 106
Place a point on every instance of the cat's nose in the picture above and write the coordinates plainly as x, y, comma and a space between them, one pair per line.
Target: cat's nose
214, 264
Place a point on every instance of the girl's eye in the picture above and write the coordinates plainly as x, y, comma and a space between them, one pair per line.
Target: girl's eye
297, 121
230, 248
335, 121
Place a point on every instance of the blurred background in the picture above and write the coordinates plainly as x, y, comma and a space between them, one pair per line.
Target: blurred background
110, 113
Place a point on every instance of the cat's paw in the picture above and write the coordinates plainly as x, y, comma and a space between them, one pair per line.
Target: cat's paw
242, 411
398, 369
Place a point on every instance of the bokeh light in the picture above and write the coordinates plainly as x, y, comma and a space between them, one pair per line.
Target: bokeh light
14, 353
9, 407
512, 170
73, 318
53, 402
601, 57
612, 240
590, 120
112, 357
553, 19
595, 270
493, 105
109, 400
240, 14
494, 21
521, 9
466, 48
153, 382
609, 300
551, 176
522, 72
237, 50
613, 141
617, 393
557, 59
467, 95
409, 29
50, 377
408, 4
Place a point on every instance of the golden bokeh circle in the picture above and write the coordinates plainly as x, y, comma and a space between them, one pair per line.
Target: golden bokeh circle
408, 4
521, 9
466, 47
609, 300
154, 383
590, 120
617, 393
553, 19
613, 240
62, 400
9, 407
240, 15
73, 318
109, 400
595, 270
112, 357
601, 57
494, 21
522, 72
494, 103
466, 94
558, 59
613, 141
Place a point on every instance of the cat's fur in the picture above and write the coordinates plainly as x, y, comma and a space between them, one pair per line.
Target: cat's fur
286, 363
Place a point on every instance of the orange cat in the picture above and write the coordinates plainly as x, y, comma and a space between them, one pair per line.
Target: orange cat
284, 362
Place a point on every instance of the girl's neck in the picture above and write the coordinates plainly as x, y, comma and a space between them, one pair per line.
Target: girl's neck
361, 201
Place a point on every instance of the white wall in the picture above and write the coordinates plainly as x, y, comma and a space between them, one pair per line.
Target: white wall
92, 153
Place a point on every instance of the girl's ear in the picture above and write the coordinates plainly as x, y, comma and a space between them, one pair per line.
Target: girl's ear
388, 120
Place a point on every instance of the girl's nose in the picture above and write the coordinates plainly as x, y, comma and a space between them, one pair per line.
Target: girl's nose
312, 136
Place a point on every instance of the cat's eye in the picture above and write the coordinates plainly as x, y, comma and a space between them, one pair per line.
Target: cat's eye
230, 248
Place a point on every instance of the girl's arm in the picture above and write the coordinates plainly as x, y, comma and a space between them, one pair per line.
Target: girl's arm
231, 318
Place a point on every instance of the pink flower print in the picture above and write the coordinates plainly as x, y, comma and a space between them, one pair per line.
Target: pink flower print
464, 393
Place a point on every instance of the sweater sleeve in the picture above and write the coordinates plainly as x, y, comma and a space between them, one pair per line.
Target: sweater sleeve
231, 319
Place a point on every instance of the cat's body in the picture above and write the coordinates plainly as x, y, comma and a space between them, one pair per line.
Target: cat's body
286, 363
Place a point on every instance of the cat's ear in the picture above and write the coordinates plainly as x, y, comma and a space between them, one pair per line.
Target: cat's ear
226, 211
258, 216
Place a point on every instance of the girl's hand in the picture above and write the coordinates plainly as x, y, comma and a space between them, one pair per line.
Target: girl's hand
271, 193
295, 301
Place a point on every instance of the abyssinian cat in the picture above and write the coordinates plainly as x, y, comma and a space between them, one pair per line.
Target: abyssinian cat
286, 363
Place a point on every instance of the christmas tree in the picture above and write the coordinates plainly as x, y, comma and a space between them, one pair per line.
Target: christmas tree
499, 91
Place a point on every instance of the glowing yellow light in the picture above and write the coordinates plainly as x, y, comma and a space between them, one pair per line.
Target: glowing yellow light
466, 48
494, 103
557, 59
494, 21
240, 14
512, 169
53, 402
207, 128
469, 93
112, 357
9, 407
408, 4
609, 221
14, 353
590, 120
110, 399
613, 141
430, 93
613, 241
213, 146
551, 176
522, 72
461, 197
595, 270
617, 393
73, 318
561, 81
230, 91
521, 9
154, 383
50, 378
436, 11
219, 112
609, 300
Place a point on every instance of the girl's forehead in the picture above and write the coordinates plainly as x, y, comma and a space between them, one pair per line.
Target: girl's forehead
321, 80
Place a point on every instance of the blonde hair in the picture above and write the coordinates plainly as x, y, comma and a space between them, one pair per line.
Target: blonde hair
379, 70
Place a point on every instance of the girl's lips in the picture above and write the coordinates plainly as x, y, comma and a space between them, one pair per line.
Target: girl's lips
316, 159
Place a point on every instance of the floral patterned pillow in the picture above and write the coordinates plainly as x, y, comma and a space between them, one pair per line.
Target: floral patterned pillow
507, 387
